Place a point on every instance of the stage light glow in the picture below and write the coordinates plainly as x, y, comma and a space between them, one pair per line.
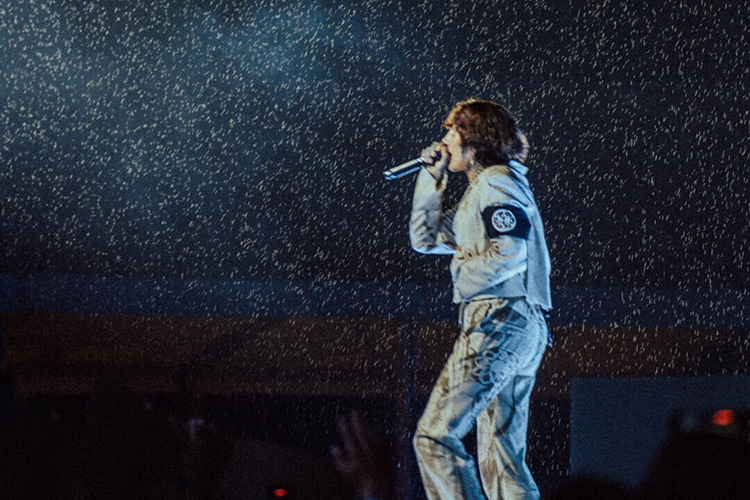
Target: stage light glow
280, 492
723, 418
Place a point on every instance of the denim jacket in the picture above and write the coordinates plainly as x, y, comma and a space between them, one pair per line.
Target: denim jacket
495, 234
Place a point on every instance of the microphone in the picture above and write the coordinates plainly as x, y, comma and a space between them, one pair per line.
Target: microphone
404, 169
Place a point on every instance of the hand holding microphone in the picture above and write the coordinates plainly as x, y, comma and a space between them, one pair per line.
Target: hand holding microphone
436, 158
433, 158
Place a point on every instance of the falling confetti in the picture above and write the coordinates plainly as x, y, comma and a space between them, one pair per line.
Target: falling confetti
245, 140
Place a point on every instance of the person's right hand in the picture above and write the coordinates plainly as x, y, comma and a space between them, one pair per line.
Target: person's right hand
436, 158
362, 458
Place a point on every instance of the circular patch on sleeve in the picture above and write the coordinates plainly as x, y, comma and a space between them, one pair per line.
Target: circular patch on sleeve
503, 220
507, 220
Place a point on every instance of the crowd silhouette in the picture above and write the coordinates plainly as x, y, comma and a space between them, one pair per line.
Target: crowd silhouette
125, 449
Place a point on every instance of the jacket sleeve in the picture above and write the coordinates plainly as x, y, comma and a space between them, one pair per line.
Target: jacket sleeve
502, 251
431, 230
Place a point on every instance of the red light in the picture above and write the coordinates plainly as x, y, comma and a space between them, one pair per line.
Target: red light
723, 417
280, 492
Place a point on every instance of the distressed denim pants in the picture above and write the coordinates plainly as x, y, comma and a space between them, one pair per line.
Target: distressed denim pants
487, 382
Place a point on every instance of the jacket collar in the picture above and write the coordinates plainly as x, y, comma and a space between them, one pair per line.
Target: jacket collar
519, 168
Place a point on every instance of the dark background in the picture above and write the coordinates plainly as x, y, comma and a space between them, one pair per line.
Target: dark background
241, 139
174, 157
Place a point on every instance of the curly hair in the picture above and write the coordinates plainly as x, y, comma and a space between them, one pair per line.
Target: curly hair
490, 130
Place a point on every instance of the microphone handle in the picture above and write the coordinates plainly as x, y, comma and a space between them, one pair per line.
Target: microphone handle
404, 169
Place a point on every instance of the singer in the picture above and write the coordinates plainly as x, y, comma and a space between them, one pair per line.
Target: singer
500, 271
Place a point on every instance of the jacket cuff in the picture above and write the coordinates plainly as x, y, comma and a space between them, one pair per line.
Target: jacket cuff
427, 183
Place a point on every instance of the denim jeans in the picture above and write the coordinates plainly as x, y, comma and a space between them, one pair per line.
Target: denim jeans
487, 382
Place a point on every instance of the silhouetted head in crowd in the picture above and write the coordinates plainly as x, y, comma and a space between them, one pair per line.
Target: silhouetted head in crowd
591, 488
700, 466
